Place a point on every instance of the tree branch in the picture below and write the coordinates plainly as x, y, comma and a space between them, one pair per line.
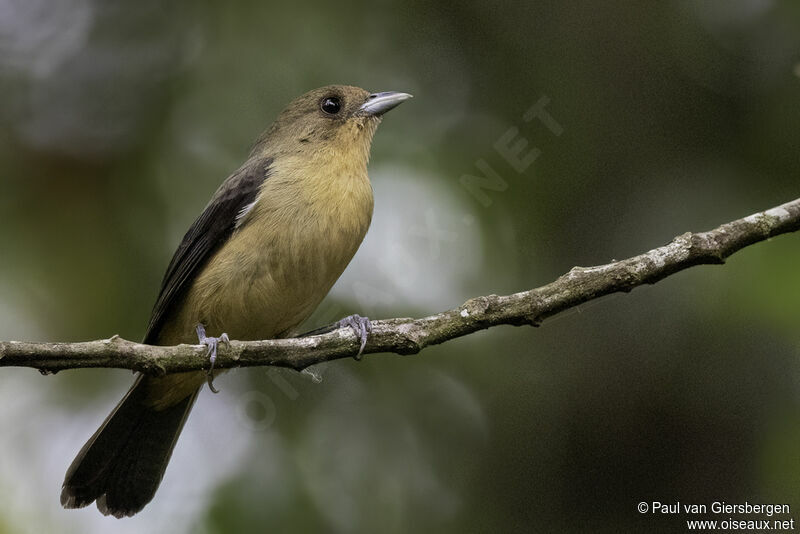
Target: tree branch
409, 336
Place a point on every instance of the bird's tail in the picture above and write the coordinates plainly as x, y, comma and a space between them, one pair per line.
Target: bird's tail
123, 463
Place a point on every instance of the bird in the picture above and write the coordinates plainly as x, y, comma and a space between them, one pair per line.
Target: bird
267, 248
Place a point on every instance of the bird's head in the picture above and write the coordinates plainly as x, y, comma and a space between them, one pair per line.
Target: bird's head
337, 118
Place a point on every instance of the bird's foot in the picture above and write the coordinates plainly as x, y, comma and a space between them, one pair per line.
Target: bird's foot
361, 327
211, 343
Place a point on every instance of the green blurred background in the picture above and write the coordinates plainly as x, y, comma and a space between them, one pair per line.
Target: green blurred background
118, 121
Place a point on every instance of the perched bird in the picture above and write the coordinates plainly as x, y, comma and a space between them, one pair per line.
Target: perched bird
265, 251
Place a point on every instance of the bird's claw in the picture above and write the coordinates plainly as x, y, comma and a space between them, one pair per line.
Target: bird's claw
361, 327
211, 343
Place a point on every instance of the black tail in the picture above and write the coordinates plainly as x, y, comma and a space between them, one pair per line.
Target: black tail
123, 463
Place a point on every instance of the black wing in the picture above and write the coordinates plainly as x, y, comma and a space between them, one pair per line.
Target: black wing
205, 236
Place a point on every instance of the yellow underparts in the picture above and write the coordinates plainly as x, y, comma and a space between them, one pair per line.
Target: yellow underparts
307, 223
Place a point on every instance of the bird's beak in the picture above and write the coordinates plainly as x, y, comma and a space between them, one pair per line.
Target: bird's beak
379, 103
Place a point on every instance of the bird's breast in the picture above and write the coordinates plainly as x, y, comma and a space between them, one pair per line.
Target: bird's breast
275, 269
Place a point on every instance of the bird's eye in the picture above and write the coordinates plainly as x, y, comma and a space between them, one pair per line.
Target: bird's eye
331, 105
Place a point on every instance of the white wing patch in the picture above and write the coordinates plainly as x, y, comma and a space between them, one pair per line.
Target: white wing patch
241, 218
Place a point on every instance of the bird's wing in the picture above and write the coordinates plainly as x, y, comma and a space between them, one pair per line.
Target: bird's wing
209, 232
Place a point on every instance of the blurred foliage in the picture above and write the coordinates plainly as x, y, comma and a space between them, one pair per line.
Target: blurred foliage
120, 119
